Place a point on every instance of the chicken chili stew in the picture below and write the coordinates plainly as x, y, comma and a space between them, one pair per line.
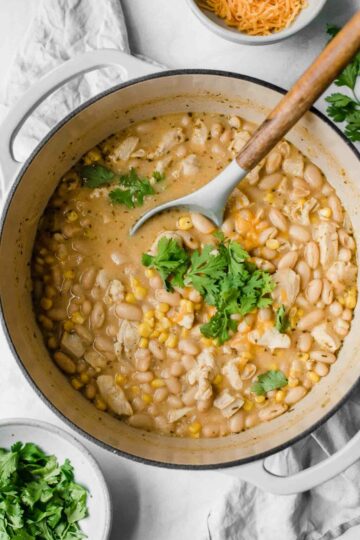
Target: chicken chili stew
185, 329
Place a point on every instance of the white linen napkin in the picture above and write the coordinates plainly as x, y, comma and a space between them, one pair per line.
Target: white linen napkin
60, 30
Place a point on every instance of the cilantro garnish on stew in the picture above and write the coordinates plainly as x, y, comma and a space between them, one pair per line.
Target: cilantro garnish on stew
221, 274
282, 322
38, 497
271, 380
131, 190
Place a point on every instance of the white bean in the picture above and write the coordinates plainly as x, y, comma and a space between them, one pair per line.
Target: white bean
304, 342
130, 312
321, 369
335, 309
143, 359
97, 316
202, 224
210, 430
142, 421
272, 411
347, 314
336, 208
188, 346
299, 233
308, 321
323, 356
313, 290
295, 394
278, 219
341, 327
236, 422
143, 376
344, 255
173, 299
104, 344
160, 394
312, 254
173, 385
269, 232
270, 181
346, 240
288, 260
304, 272
313, 176
157, 349
273, 162
327, 294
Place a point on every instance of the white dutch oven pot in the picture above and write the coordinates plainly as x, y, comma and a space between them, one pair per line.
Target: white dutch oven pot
29, 187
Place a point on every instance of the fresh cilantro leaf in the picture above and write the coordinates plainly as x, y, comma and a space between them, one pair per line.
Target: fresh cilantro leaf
171, 261
158, 176
38, 498
270, 380
133, 190
281, 320
94, 176
206, 270
332, 30
344, 108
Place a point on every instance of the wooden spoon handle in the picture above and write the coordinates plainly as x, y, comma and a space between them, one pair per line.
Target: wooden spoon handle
302, 95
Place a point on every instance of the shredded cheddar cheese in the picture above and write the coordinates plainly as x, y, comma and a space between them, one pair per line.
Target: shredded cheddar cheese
256, 17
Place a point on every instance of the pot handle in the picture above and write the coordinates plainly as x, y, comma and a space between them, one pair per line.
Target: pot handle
130, 68
257, 474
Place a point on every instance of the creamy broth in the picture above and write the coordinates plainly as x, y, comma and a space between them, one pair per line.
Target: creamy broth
136, 349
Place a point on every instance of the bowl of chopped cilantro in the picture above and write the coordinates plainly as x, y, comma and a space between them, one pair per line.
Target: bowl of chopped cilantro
51, 487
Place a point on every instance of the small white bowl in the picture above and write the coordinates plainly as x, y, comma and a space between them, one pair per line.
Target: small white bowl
54, 440
219, 27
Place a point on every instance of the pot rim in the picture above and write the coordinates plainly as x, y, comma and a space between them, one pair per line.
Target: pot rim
32, 382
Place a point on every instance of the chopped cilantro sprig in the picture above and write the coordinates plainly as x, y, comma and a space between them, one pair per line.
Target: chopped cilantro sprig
131, 190
222, 275
282, 322
38, 497
270, 380
343, 107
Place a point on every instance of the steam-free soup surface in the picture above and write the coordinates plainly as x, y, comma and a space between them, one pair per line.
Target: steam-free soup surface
142, 348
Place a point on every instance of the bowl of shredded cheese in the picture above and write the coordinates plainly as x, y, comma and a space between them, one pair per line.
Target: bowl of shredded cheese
256, 22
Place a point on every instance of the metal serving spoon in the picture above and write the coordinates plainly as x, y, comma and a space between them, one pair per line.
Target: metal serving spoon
210, 200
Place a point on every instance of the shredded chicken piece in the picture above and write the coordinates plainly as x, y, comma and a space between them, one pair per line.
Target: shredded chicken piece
231, 409
325, 234
325, 337
300, 212
203, 373
223, 400
287, 286
115, 292
114, 395
127, 338
72, 344
231, 372
171, 138
294, 164
176, 414
271, 339
341, 272
200, 133
190, 165
124, 149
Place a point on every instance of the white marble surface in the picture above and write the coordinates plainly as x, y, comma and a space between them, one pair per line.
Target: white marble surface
151, 503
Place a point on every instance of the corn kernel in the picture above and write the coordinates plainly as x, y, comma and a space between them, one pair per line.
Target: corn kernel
143, 343
52, 343
172, 341
184, 223
218, 379
140, 292
77, 318
150, 273
248, 405
71, 216
100, 404
69, 274
185, 332
300, 312
163, 337
274, 366
144, 330
49, 259
135, 390
50, 291
68, 326
292, 382
260, 399
206, 342
350, 301
119, 378
134, 282
130, 298
279, 396
76, 383
91, 156
84, 377
155, 334
147, 398
46, 322
163, 308
272, 243
304, 356
157, 383
46, 303
159, 315
197, 307
149, 314
341, 300
195, 428
269, 197
314, 377
165, 323
187, 306
325, 212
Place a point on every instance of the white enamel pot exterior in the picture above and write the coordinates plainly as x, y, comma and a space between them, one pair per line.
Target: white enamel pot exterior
29, 187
